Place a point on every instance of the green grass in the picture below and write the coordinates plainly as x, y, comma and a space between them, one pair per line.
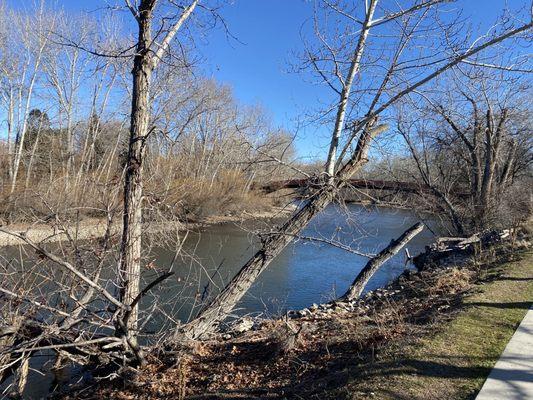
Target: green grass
453, 360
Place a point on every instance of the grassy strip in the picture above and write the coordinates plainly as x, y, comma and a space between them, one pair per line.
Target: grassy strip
454, 362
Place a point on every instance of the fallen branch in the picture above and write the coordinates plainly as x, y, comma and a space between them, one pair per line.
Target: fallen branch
107, 339
452, 248
375, 263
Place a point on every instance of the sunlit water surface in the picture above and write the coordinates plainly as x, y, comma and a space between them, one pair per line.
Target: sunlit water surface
306, 272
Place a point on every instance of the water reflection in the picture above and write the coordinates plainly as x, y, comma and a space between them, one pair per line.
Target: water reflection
305, 272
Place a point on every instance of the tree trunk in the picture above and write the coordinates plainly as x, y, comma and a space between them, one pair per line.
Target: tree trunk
273, 245
130, 261
143, 65
10, 121
375, 263
25, 112
347, 87
21, 135
508, 167
492, 146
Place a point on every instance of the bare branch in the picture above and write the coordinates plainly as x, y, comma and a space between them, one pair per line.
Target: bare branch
172, 32
35, 303
412, 87
66, 265
398, 14
500, 67
334, 243
134, 12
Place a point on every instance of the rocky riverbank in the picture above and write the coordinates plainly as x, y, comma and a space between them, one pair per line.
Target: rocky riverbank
311, 353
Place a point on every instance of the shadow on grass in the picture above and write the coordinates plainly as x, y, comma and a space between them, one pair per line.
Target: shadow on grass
442, 367
509, 278
334, 379
525, 305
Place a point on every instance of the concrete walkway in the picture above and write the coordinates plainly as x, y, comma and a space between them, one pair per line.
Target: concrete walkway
512, 376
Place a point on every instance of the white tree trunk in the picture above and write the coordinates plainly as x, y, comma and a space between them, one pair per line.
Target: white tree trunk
346, 89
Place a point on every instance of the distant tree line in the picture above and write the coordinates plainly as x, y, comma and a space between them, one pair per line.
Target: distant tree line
65, 124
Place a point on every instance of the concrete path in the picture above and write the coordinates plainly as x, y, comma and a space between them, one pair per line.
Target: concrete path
512, 376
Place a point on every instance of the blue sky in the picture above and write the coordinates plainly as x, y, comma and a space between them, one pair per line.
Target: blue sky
257, 69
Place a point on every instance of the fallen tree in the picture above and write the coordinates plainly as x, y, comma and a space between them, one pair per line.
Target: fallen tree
453, 249
273, 244
359, 283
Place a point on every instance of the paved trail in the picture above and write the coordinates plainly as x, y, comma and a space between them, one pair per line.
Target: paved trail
512, 376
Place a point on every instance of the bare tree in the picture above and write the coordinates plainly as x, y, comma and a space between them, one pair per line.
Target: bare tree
148, 55
401, 77
35, 32
470, 139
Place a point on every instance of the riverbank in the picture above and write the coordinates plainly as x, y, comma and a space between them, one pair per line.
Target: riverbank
93, 228
452, 359
434, 333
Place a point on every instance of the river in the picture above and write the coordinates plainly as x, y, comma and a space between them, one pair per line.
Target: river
306, 272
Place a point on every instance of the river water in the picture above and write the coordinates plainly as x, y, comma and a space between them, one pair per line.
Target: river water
306, 272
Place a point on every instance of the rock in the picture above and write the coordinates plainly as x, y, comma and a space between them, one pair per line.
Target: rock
304, 313
243, 325
293, 314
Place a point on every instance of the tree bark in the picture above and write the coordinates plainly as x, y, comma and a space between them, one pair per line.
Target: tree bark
274, 244
130, 261
508, 167
375, 263
145, 61
10, 121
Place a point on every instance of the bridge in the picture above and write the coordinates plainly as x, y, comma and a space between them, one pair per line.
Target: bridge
373, 184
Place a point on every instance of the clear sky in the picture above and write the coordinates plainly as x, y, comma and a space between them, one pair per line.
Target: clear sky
257, 66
